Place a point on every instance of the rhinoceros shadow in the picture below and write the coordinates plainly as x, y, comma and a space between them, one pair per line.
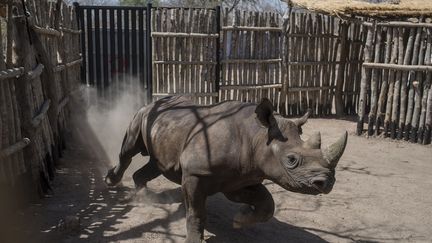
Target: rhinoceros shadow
219, 224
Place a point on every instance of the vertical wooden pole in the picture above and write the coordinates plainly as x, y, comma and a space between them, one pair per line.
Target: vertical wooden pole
105, 57
418, 88
340, 82
397, 87
374, 84
80, 16
413, 77
97, 46
427, 86
428, 122
389, 104
24, 54
89, 42
149, 61
365, 79
218, 53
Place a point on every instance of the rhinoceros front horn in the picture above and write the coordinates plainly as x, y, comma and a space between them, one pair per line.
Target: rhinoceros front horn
334, 152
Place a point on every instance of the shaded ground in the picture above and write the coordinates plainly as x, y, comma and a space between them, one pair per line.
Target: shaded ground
382, 194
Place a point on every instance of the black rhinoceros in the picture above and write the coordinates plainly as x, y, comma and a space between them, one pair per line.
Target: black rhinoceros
230, 147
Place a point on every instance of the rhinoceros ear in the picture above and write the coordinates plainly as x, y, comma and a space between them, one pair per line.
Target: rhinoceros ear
264, 112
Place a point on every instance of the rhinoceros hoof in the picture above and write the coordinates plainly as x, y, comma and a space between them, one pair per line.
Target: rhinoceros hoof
111, 179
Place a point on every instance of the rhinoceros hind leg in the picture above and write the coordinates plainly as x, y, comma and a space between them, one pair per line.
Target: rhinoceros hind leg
111, 179
146, 173
129, 149
259, 208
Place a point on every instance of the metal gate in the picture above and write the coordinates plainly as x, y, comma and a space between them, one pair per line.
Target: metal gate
115, 44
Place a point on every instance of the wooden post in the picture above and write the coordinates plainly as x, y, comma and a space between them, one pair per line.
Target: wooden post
374, 83
418, 90
218, 52
343, 58
80, 17
397, 87
389, 104
365, 79
24, 54
428, 122
410, 106
384, 84
49, 81
426, 87
149, 61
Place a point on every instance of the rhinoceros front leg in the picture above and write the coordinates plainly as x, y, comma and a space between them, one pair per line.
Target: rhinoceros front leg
195, 199
260, 206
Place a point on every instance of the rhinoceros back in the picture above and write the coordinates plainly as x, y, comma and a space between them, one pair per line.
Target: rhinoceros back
171, 125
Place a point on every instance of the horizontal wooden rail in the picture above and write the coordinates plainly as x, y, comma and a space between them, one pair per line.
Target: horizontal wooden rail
186, 62
178, 34
46, 31
298, 89
187, 94
322, 63
400, 24
36, 72
42, 113
398, 66
70, 31
244, 87
305, 35
4, 153
252, 60
252, 28
11, 73
73, 63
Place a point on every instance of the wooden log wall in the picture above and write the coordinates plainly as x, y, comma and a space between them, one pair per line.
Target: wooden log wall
322, 60
395, 97
184, 53
251, 56
39, 68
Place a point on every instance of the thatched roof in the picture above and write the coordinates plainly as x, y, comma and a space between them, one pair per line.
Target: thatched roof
405, 8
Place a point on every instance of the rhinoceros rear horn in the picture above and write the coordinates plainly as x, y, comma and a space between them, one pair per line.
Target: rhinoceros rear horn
302, 120
334, 152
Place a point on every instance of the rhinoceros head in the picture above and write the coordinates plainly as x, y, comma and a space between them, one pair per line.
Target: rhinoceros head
296, 165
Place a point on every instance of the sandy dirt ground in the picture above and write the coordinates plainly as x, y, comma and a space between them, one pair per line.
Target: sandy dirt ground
383, 193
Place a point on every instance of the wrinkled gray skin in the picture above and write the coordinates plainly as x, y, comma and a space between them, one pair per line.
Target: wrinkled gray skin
230, 147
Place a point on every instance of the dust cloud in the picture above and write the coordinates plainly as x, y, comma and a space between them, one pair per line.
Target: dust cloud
106, 114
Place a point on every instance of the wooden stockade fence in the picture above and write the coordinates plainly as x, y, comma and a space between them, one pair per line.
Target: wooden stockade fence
39, 68
306, 60
396, 98
294, 62
321, 59
185, 53
252, 56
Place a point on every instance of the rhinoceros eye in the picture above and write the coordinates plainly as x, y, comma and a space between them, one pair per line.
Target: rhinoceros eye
291, 161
